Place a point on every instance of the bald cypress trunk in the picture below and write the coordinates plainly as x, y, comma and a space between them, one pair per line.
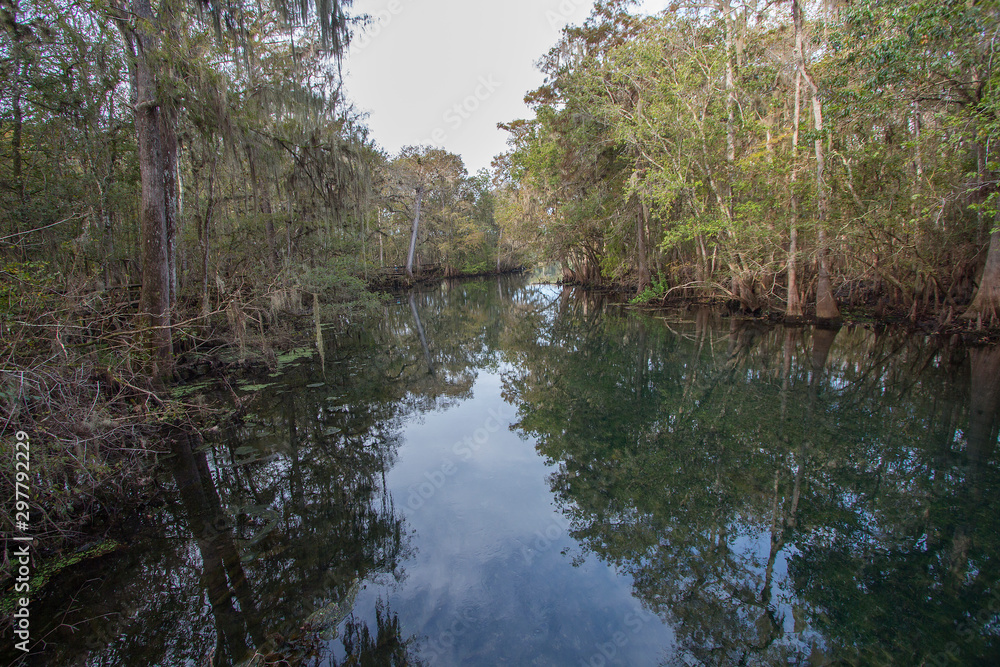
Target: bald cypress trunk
986, 306
413, 235
826, 304
793, 307
154, 301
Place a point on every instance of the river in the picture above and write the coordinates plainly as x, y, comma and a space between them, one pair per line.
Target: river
500, 473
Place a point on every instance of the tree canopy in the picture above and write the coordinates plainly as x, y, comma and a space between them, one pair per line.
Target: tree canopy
771, 153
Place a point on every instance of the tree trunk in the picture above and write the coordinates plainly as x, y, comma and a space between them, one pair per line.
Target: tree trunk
986, 306
640, 233
826, 304
206, 226
642, 216
413, 235
168, 134
724, 193
727, 9
499, 241
155, 295
16, 141
918, 160
793, 307
15, 144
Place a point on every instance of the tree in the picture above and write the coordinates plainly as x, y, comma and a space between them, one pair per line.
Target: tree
986, 306
436, 179
419, 191
826, 304
147, 35
685, 130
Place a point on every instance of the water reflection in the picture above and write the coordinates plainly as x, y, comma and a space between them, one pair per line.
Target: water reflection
266, 539
779, 496
679, 489
237, 622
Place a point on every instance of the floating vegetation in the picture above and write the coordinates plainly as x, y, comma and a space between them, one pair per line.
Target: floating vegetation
51, 568
265, 531
328, 618
250, 388
293, 356
186, 390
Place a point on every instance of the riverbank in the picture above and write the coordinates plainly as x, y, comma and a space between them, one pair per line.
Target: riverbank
855, 310
395, 278
73, 381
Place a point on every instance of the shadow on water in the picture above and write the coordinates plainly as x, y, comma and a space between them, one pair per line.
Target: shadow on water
773, 495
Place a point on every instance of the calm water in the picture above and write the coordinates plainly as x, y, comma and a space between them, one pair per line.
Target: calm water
505, 474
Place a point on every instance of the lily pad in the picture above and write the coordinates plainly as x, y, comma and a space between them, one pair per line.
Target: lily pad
189, 389
326, 619
292, 356
253, 387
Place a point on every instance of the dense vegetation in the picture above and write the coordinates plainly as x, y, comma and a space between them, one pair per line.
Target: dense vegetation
183, 177
179, 179
783, 155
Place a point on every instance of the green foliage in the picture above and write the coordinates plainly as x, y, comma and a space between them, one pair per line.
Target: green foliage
458, 229
50, 568
654, 292
745, 477
655, 116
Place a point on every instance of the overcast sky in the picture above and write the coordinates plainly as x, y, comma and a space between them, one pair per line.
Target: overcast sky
445, 72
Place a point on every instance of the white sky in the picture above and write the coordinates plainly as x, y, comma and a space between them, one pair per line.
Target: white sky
420, 59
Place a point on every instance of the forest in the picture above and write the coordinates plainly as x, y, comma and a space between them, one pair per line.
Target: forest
186, 187
183, 182
784, 156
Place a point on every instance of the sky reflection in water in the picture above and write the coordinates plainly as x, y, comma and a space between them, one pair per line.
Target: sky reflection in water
532, 476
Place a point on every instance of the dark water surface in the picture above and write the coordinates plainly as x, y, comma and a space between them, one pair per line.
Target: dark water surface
506, 474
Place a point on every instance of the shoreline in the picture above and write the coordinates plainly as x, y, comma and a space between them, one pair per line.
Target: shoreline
220, 406
939, 324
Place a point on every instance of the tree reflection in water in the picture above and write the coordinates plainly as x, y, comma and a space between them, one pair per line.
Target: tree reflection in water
780, 496
777, 495
268, 537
